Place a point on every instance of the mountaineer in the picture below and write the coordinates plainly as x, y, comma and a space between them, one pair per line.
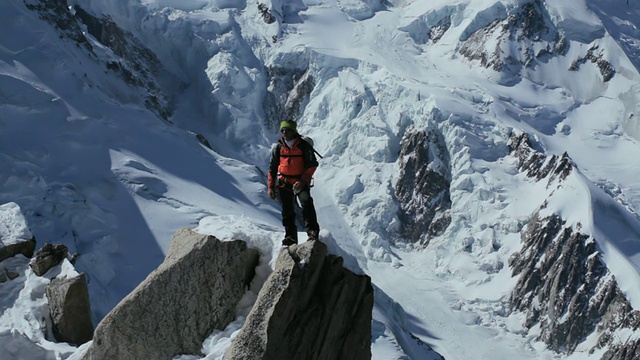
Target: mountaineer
291, 169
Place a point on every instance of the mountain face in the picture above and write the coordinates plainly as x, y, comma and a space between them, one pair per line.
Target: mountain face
131, 60
564, 286
493, 140
529, 25
423, 185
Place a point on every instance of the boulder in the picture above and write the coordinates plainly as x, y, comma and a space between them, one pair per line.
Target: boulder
15, 236
70, 309
194, 291
310, 307
47, 257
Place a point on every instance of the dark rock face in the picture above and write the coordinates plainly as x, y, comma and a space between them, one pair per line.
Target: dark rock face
70, 309
423, 185
287, 94
606, 69
436, 32
310, 307
138, 65
194, 291
57, 12
47, 257
629, 350
560, 274
430, 29
564, 287
536, 164
267, 16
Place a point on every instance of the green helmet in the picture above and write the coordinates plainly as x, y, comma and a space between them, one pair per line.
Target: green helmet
288, 124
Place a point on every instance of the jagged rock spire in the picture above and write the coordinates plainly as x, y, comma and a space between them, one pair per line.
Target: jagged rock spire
311, 307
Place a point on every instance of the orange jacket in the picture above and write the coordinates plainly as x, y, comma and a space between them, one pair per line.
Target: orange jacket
291, 164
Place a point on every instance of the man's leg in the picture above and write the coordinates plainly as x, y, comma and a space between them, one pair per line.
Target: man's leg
309, 213
288, 213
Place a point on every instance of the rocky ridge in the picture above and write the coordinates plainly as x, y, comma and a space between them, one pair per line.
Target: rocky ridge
311, 307
131, 60
563, 286
528, 24
423, 185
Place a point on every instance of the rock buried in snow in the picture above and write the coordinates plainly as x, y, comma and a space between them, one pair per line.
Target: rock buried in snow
15, 236
47, 257
310, 307
194, 291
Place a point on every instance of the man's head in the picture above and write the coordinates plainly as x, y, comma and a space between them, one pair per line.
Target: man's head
288, 129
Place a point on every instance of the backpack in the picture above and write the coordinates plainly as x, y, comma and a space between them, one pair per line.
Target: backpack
309, 141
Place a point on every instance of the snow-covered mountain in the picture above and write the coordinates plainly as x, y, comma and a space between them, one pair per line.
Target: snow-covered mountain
480, 157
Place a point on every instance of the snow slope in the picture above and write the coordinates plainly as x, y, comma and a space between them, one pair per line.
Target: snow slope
94, 168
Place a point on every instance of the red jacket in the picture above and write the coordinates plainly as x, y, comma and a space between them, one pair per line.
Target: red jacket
291, 164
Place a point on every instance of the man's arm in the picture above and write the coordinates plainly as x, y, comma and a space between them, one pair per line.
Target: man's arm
273, 164
273, 170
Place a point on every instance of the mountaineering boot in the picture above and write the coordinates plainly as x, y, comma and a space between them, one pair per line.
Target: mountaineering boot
312, 235
287, 241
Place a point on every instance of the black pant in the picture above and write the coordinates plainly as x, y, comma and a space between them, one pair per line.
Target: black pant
287, 199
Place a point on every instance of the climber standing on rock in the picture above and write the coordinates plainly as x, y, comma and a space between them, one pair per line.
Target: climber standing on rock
291, 168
